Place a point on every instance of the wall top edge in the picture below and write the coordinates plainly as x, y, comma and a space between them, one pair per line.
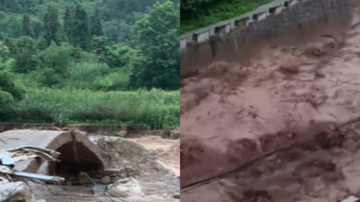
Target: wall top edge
259, 10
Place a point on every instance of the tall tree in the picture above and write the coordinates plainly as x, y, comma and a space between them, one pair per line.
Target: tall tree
51, 26
96, 25
82, 36
69, 24
156, 35
26, 29
25, 57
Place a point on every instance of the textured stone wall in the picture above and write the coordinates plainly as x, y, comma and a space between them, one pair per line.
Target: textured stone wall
280, 22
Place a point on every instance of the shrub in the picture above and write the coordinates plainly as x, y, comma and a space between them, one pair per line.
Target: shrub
84, 74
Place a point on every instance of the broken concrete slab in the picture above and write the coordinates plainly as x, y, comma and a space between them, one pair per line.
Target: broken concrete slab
14, 192
10, 156
72, 146
26, 152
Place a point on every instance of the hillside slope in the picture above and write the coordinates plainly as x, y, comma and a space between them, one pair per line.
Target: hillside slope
117, 15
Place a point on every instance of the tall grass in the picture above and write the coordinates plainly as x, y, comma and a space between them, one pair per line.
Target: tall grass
83, 75
223, 11
155, 109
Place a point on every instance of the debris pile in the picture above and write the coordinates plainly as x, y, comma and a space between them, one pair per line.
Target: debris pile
130, 156
9, 157
64, 167
11, 191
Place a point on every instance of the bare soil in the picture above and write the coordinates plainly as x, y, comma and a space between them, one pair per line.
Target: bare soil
295, 100
167, 151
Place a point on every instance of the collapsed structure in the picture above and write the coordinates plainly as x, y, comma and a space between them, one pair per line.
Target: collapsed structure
74, 166
49, 156
75, 149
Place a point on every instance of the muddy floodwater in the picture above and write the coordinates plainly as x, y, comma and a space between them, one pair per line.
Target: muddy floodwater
303, 101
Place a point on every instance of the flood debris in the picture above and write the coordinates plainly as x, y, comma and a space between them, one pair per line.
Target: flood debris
20, 191
9, 157
6, 159
113, 170
47, 178
26, 152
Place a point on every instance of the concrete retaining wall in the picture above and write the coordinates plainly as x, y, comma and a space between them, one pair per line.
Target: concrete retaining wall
277, 23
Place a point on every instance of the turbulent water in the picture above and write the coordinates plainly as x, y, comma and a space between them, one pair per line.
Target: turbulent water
291, 91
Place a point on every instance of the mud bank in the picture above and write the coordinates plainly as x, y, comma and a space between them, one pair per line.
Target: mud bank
233, 114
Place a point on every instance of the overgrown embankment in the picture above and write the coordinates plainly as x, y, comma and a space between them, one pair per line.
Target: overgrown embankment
155, 108
201, 13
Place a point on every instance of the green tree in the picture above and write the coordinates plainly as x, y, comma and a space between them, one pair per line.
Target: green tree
48, 77
98, 44
41, 44
96, 25
25, 57
82, 36
156, 36
26, 29
69, 25
56, 57
51, 26
117, 56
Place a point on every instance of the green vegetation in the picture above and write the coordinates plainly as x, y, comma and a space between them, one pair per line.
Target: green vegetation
154, 108
90, 61
201, 13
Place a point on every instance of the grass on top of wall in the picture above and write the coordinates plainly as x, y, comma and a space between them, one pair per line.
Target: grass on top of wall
220, 13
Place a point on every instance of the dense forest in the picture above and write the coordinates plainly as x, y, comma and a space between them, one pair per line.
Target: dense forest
90, 61
200, 13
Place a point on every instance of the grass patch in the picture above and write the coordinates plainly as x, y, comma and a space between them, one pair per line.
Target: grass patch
220, 13
155, 109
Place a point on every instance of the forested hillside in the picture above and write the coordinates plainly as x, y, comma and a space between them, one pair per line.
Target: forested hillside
93, 61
